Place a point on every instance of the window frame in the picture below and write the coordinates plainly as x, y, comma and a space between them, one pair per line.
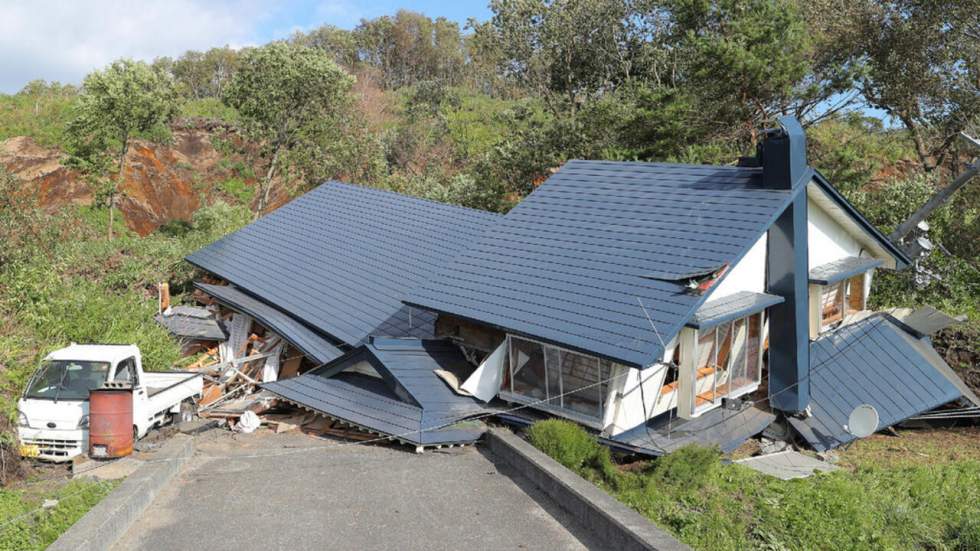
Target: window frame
852, 298
605, 397
130, 364
732, 329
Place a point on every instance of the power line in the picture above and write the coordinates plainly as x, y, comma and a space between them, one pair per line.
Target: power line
453, 420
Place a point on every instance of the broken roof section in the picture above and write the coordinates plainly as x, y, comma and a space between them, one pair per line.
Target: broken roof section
576, 263
873, 361
720, 427
389, 386
314, 345
925, 320
341, 257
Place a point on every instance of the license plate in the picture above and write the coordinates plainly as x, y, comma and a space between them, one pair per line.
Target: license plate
29, 450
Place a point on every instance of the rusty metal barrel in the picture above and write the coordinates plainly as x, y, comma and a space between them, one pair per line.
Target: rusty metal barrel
110, 422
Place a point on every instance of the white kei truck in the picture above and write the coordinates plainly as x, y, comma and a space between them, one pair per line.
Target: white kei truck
53, 411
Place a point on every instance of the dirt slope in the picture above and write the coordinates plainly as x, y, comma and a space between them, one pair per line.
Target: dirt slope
161, 183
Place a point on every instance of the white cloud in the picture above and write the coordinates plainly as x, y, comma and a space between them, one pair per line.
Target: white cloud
64, 40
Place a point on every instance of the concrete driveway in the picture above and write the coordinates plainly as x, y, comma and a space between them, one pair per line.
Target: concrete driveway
267, 491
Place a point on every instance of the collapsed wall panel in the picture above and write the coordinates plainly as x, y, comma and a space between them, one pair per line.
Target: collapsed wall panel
389, 387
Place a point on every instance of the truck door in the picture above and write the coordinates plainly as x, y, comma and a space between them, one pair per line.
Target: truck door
126, 371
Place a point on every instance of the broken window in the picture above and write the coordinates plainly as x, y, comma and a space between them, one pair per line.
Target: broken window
528, 371
559, 380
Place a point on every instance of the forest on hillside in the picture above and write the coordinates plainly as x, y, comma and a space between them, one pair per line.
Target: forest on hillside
478, 115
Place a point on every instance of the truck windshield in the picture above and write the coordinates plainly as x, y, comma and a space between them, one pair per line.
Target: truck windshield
67, 379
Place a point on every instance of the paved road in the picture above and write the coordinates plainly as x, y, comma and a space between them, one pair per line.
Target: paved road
235, 495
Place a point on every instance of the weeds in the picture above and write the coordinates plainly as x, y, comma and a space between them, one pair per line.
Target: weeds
88, 289
714, 506
25, 525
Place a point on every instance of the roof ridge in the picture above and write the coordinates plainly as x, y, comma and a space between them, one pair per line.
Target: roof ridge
407, 196
662, 163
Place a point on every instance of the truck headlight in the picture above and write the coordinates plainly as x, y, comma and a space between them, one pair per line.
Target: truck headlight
22, 419
83, 422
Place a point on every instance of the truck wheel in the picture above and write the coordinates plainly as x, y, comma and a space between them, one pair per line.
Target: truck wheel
188, 410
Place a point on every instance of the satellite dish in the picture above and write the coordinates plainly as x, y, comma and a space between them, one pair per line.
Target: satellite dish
863, 421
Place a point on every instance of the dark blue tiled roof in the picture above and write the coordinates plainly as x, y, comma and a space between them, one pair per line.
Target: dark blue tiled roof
872, 361
409, 401
341, 258
308, 341
574, 261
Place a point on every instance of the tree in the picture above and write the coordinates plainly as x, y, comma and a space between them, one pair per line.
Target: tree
746, 61
289, 98
125, 100
338, 43
409, 48
566, 51
923, 68
204, 74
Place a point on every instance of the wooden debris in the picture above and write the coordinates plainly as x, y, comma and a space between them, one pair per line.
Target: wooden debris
321, 426
164, 289
290, 367
210, 394
285, 422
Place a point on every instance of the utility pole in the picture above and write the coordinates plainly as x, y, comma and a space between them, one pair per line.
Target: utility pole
942, 195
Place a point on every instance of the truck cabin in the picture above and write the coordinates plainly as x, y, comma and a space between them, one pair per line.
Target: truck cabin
70, 373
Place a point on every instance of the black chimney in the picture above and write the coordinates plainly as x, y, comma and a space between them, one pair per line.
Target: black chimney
784, 167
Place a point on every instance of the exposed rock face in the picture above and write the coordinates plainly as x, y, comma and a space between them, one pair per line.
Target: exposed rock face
161, 183
156, 188
43, 173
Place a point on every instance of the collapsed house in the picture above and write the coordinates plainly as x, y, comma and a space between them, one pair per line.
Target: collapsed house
657, 304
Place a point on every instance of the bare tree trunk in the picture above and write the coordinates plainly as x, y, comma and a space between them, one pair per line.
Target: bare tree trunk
920, 147
267, 183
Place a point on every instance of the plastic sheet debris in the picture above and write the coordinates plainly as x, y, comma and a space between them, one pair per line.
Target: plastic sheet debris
248, 422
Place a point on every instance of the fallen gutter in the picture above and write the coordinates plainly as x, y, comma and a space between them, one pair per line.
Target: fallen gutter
618, 526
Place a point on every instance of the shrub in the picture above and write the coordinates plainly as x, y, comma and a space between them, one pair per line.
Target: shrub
964, 535
688, 468
565, 442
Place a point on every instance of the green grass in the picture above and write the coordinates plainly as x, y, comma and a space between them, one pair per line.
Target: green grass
24, 525
81, 287
925, 504
237, 189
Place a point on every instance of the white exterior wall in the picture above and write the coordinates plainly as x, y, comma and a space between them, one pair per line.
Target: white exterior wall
748, 275
827, 240
628, 403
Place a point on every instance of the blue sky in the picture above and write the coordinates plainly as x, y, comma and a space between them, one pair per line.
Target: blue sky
347, 13
63, 40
